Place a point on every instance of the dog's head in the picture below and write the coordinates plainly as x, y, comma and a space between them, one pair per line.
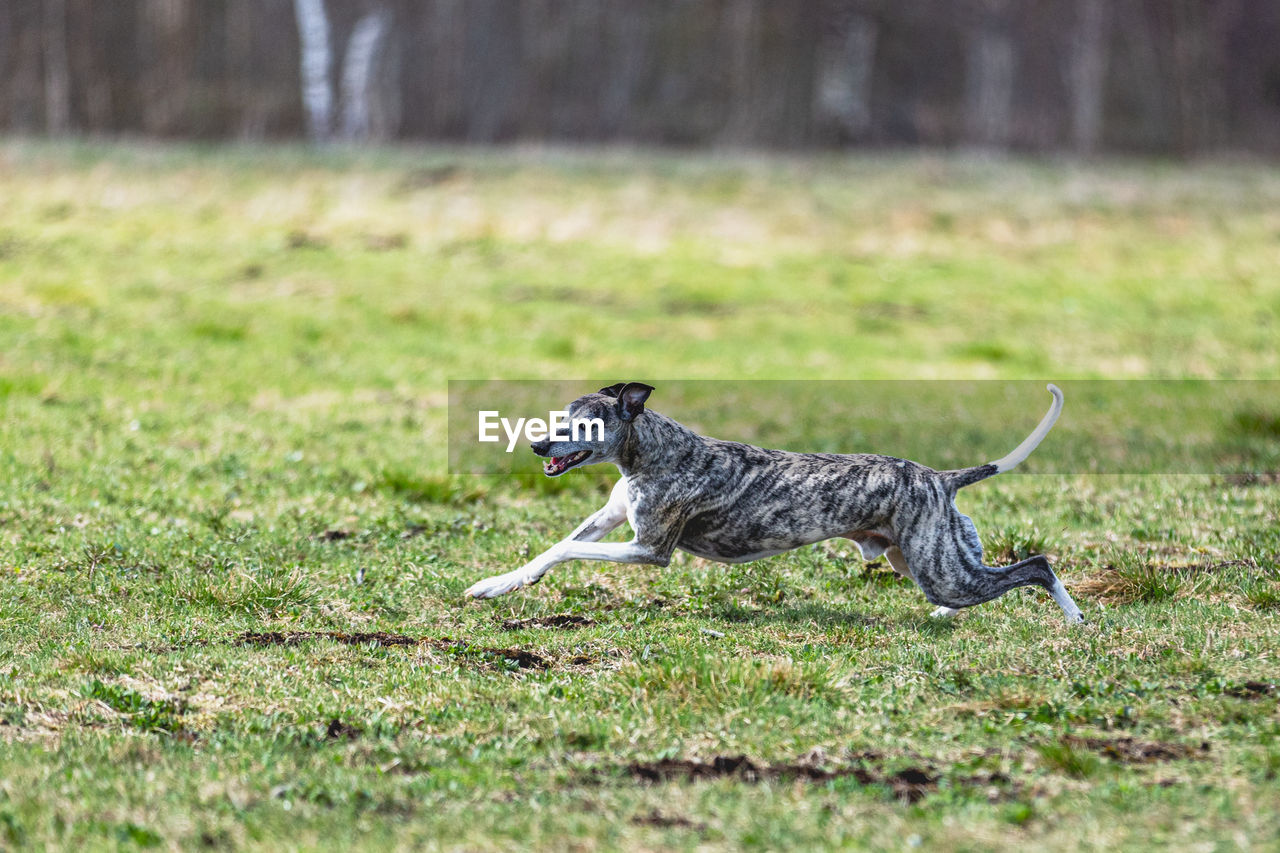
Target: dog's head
598, 423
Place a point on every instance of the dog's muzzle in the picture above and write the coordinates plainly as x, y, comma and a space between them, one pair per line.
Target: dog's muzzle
557, 465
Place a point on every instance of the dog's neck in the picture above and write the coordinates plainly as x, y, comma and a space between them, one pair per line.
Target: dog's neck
656, 443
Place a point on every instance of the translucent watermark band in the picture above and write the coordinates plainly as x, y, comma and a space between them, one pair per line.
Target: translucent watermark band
1107, 426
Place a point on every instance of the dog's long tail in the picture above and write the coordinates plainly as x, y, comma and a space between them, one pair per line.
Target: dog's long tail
968, 476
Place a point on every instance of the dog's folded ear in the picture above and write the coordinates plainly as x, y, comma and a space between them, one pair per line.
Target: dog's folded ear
613, 389
631, 399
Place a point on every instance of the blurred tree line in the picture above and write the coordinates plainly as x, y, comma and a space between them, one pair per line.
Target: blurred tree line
1177, 76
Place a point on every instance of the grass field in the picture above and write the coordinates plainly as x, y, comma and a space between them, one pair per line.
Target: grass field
231, 556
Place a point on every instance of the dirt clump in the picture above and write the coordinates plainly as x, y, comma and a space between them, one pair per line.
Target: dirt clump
1129, 750
908, 784
522, 658
565, 622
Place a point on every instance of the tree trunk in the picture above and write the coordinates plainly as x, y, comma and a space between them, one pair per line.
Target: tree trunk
317, 62
846, 57
358, 74
989, 78
57, 68
171, 37
1088, 75
742, 29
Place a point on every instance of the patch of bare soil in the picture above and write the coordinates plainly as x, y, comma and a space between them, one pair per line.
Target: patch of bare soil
338, 730
36, 725
522, 658
295, 638
1129, 750
564, 622
1252, 690
909, 784
663, 821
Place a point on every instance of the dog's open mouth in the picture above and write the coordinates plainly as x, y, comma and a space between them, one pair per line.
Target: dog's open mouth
557, 465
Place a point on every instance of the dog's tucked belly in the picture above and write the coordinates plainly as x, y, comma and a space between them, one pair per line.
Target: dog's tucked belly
736, 540
730, 553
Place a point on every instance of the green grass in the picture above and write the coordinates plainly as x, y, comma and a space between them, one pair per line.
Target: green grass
223, 385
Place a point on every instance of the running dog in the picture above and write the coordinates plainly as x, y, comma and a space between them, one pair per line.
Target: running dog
734, 503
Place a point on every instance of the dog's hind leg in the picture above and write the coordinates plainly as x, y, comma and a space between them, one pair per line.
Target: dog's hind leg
899, 562
983, 583
947, 564
873, 545
1065, 601
968, 535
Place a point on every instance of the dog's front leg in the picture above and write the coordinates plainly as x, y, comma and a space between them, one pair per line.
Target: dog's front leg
595, 528
562, 552
605, 519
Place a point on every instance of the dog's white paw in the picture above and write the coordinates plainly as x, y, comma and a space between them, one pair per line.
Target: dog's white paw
495, 586
943, 613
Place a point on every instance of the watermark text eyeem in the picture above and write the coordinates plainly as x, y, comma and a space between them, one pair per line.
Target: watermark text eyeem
557, 427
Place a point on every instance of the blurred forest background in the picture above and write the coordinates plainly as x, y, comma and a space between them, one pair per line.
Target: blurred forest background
1152, 76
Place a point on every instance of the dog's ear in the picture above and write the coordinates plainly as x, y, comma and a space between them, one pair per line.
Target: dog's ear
613, 389
631, 399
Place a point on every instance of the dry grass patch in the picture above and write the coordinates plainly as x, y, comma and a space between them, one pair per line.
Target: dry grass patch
1130, 577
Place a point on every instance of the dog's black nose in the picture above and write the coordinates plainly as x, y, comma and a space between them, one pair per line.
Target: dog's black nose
542, 448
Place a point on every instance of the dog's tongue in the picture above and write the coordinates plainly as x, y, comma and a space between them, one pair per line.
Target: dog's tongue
556, 464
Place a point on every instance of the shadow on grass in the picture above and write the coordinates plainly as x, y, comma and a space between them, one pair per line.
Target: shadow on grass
826, 617
797, 614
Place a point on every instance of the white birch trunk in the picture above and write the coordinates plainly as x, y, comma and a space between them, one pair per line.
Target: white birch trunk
317, 62
358, 74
